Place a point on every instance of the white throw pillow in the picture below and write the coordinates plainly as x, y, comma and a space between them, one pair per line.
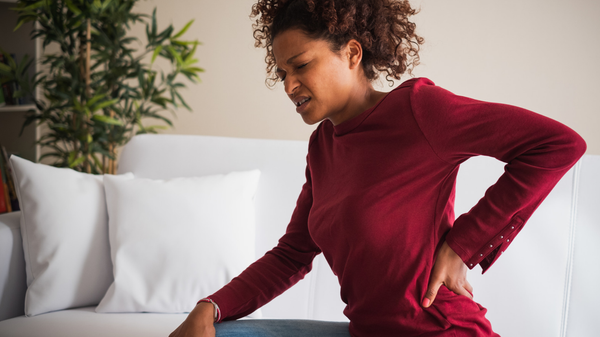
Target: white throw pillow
176, 241
64, 226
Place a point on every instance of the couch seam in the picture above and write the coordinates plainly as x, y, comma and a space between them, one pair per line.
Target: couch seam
571, 249
24, 236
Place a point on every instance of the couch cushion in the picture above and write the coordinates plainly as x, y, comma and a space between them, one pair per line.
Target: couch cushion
176, 241
524, 290
64, 226
581, 308
85, 322
281, 163
13, 282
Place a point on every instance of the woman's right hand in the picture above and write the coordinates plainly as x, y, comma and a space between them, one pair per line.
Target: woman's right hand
199, 323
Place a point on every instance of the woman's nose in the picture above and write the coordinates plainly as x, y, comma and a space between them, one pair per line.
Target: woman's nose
290, 84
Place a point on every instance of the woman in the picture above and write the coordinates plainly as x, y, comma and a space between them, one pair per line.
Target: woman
381, 170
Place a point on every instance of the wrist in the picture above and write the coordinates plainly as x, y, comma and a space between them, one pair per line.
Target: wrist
203, 313
216, 310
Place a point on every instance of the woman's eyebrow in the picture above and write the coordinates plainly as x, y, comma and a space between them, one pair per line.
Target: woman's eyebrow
291, 59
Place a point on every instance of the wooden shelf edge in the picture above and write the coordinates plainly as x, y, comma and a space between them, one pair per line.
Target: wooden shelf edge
17, 108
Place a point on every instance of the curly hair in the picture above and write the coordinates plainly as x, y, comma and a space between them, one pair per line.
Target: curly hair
387, 37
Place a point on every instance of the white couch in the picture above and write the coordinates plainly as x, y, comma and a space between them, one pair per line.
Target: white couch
544, 285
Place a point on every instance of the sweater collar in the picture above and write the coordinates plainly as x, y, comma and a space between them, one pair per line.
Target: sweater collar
351, 124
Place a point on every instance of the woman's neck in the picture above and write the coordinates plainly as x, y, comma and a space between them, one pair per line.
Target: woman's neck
362, 98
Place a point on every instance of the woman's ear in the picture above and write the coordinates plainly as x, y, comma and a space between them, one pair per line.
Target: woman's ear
354, 53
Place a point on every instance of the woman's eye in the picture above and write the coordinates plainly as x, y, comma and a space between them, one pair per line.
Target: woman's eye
283, 75
280, 74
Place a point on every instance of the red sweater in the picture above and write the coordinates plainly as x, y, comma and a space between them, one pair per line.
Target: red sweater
379, 201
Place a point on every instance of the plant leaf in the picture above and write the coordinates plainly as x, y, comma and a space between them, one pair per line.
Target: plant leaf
95, 99
106, 4
106, 120
154, 22
175, 55
77, 162
156, 52
72, 7
105, 104
183, 30
4, 69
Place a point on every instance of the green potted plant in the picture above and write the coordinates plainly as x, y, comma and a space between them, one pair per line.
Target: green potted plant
98, 87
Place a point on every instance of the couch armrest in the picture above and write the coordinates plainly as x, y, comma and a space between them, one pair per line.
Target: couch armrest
13, 281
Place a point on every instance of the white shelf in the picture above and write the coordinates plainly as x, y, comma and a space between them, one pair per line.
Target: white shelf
17, 108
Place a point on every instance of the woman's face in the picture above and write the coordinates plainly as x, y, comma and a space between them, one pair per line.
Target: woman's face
317, 80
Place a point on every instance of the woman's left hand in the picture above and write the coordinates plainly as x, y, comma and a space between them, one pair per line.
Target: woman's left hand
449, 270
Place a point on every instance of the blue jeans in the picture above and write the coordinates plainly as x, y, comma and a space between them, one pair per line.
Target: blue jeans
281, 328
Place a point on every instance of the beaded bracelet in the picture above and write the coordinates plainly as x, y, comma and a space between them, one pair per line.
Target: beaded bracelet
217, 310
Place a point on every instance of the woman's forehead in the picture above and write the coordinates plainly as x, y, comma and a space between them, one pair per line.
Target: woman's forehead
294, 43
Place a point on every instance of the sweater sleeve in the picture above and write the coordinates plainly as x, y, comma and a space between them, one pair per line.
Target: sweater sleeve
277, 270
537, 151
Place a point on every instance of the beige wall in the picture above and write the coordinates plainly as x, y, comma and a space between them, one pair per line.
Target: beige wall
538, 54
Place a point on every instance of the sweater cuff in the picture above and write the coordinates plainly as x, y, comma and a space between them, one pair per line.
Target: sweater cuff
486, 254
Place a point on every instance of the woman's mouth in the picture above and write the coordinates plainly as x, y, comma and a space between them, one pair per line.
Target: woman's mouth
299, 103
302, 104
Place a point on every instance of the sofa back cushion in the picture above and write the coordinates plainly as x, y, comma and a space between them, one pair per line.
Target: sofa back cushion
281, 164
64, 226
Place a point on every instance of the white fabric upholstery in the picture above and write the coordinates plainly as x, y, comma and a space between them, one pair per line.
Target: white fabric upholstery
281, 163
13, 281
64, 226
524, 290
544, 285
84, 322
581, 310
176, 240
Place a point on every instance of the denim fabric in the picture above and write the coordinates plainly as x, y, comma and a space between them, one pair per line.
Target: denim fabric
281, 328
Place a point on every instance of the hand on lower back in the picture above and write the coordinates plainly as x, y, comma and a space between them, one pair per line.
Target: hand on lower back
449, 270
199, 323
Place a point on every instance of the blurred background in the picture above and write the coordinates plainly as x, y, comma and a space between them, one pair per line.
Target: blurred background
541, 55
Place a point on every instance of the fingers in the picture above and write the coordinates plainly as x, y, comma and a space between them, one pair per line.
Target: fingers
431, 293
469, 288
463, 291
449, 270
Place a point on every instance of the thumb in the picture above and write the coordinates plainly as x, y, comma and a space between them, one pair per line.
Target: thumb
431, 293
